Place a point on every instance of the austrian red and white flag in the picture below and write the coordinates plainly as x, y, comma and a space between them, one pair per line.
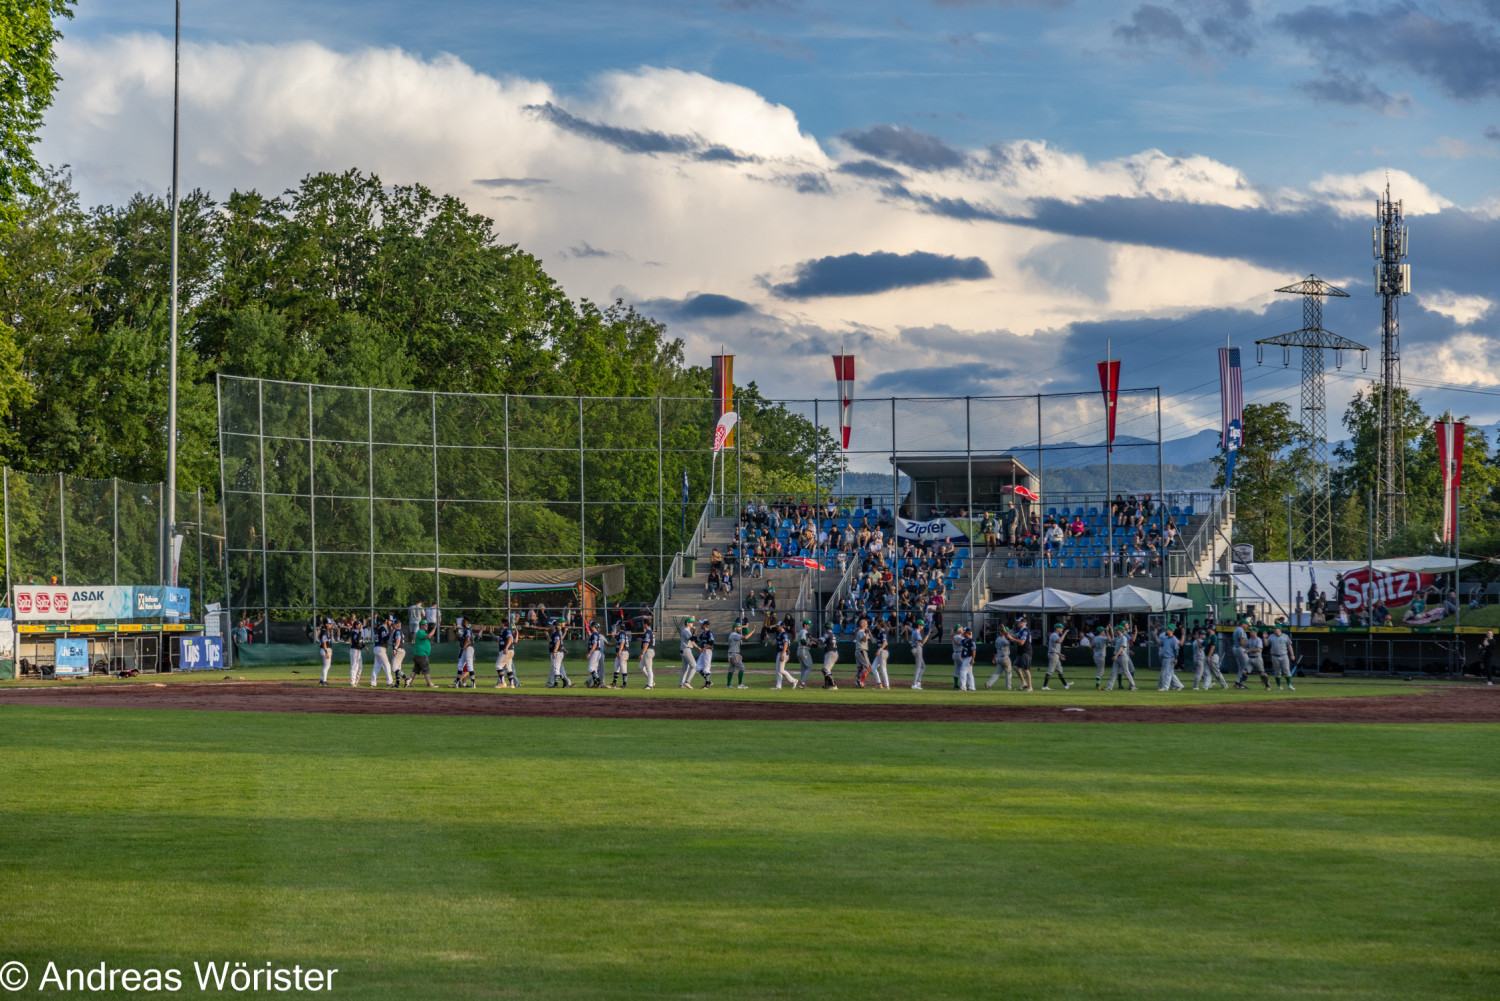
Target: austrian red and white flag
843, 373
805, 562
1109, 382
1450, 444
722, 429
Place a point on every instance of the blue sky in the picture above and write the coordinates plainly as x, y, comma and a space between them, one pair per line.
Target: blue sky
974, 195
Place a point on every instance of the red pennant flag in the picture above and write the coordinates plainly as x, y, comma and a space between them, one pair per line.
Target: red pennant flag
1109, 381
1450, 444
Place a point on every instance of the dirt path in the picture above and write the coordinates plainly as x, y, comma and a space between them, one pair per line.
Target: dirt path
1458, 704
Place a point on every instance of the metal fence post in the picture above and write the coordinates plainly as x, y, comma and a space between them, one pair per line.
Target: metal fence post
509, 584
312, 508
370, 483
583, 587
661, 530
895, 501
969, 459
223, 502
437, 548
1041, 517
5, 490
1161, 512
202, 596
115, 485
265, 590
62, 524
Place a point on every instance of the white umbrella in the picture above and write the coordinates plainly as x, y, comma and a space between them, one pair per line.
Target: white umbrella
1129, 599
1048, 599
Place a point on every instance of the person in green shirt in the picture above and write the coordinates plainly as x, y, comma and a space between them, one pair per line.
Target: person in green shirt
421, 649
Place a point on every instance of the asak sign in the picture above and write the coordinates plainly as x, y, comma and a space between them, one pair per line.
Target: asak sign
1396, 589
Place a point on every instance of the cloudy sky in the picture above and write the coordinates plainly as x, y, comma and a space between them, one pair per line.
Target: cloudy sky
971, 195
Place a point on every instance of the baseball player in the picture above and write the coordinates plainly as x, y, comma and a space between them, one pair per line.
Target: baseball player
1121, 667
861, 652
505, 659
1279, 646
1054, 658
830, 656
594, 647
356, 652
325, 649
1206, 661
1021, 641
705, 664
805, 643
398, 651
881, 637
1002, 661
782, 645
967, 650
648, 653
1239, 646
465, 635
622, 654
382, 655
1168, 647
1099, 644
918, 651
689, 642
559, 676
1255, 658
737, 633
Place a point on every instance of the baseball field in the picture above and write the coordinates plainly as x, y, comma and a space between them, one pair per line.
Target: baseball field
568, 845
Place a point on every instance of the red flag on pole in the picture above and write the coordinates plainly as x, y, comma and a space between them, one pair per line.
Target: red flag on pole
723, 374
1450, 443
843, 373
1109, 381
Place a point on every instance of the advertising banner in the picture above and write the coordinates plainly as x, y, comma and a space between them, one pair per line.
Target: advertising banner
933, 530
1395, 589
200, 653
71, 658
50, 603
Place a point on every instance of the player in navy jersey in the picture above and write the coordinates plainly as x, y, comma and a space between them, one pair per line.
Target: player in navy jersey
465, 636
382, 655
356, 652
559, 676
622, 654
594, 649
705, 665
398, 653
325, 650
505, 660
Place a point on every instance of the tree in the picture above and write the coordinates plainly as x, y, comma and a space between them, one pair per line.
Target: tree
27, 80
1271, 461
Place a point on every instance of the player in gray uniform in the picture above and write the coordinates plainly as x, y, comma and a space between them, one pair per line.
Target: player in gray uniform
804, 651
918, 653
356, 652
1255, 657
325, 649
1099, 644
1205, 661
382, 655
830, 656
1168, 648
398, 651
621, 676
1122, 667
689, 641
648, 653
736, 656
465, 677
1002, 660
1239, 647
1054, 658
1279, 646
861, 652
881, 635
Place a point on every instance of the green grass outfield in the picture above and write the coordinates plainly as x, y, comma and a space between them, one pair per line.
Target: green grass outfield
938, 686
429, 857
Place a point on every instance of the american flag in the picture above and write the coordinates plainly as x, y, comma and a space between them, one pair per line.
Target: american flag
1231, 391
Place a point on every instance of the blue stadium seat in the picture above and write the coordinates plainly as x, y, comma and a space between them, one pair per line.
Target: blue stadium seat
1188, 511
1093, 512
963, 553
1010, 564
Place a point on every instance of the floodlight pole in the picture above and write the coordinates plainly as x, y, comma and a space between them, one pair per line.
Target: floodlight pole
1289, 595
172, 359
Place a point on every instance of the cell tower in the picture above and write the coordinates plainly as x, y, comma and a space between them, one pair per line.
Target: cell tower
1392, 281
1317, 520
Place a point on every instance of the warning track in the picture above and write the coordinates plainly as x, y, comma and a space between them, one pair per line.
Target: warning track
1458, 704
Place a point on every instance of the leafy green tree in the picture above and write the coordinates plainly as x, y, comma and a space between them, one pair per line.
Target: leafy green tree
1273, 457
28, 78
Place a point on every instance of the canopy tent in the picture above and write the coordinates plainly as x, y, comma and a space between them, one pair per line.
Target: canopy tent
1047, 599
613, 574
1131, 599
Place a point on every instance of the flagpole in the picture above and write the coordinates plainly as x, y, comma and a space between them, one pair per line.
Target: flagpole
171, 512
1109, 492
